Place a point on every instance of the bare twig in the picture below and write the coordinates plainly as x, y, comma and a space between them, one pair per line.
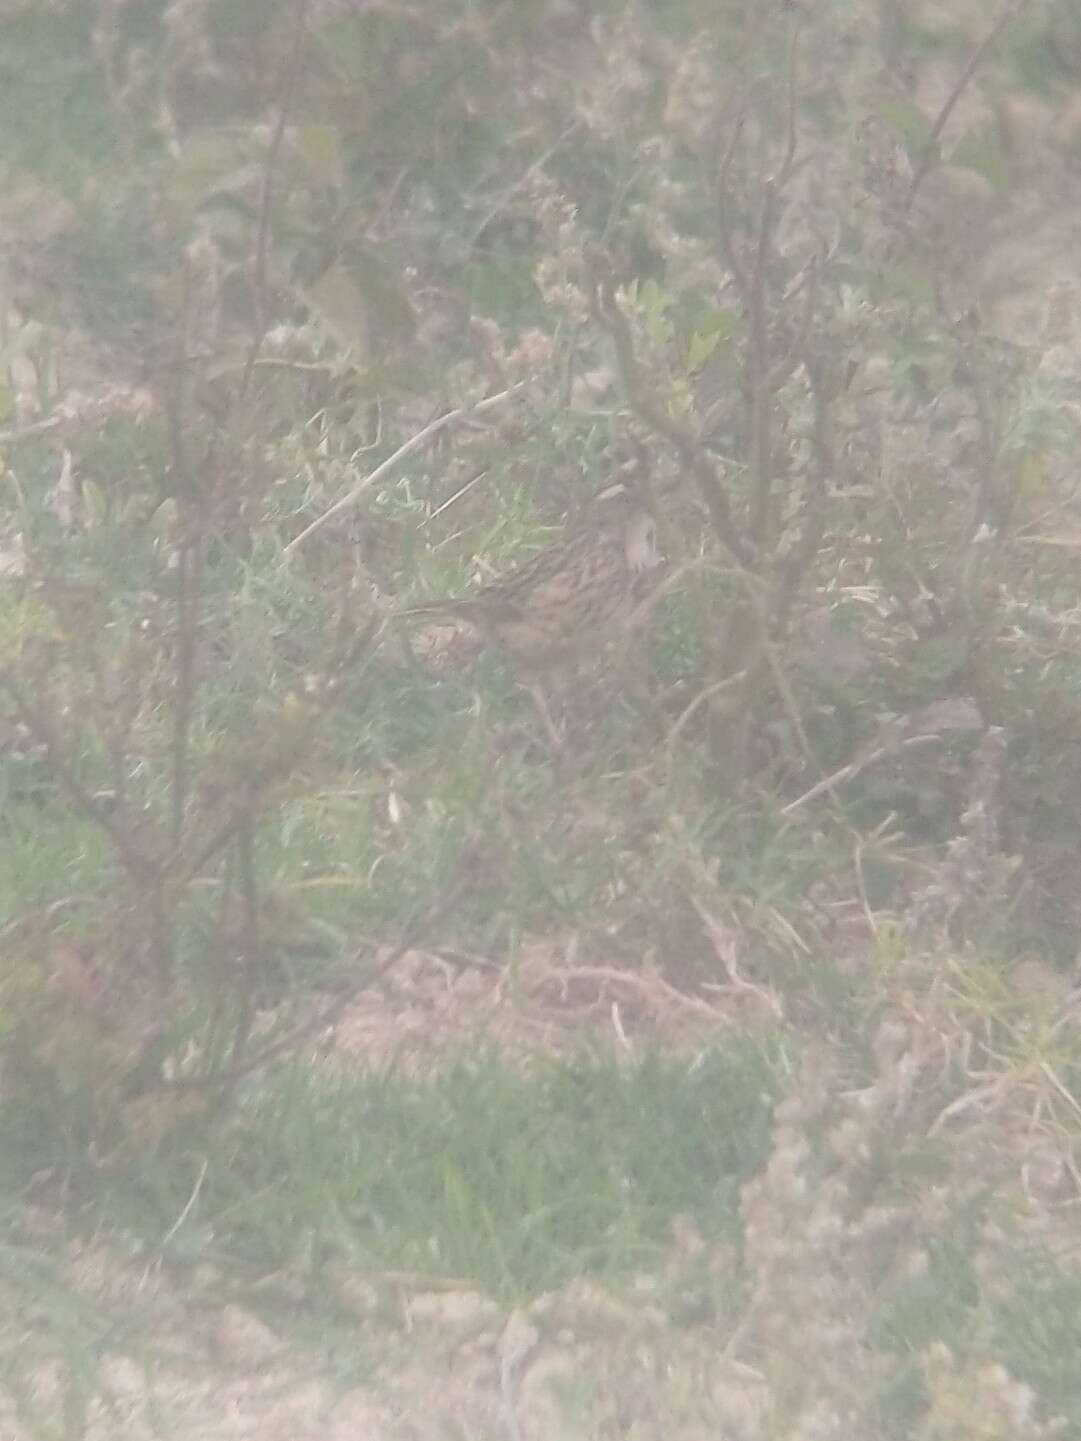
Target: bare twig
796, 351
728, 244
250, 935
415, 442
855, 768
260, 306
788, 163
189, 568
813, 510
695, 705
422, 923
651, 986
758, 378
462, 490
186, 1212
33, 430
723, 940
927, 159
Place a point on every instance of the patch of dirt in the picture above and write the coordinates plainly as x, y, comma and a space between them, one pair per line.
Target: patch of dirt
580, 1361
428, 1004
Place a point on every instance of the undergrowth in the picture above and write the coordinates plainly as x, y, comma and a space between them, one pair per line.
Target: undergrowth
313, 313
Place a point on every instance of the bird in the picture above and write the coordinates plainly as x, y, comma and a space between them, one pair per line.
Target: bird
570, 599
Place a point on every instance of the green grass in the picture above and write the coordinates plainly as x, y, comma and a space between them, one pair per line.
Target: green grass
1013, 1305
508, 1181
513, 1181
516, 1183
47, 1327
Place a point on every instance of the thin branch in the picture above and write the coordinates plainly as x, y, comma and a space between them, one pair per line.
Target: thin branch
414, 443
189, 571
758, 377
788, 163
695, 705
927, 159
855, 768
33, 430
462, 490
262, 238
768, 650
728, 244
250, 946
796, 351
331, 1012
186, 1212
823, 466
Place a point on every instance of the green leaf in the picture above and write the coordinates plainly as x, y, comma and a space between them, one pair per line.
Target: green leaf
701, 346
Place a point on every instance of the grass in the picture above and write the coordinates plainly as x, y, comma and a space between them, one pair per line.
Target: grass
514, 1181
511, 1180
515, 1178
1011, 1304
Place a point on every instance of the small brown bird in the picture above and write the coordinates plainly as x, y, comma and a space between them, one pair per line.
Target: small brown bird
570, 599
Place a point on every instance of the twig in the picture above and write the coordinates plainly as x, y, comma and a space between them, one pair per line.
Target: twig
462, 490
796, 351
758, 379
188, 594
728, 244
414, 930
175, 1227
823, 466
35, 428
262, 238
723, 941
413, 443
1011, 13
700, 699
648, 986
788, 164
855, 768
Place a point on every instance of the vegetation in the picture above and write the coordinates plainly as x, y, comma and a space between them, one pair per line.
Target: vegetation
315, 311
